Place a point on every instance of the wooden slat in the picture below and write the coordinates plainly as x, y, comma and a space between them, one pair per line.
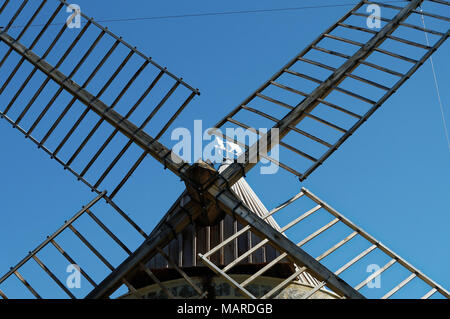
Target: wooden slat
263, 270
313, 291
91, 248
399, 286
375, 274
354, 260
55, 279
300, 218
245, 254
372, 65
338, 245
67, 256
26, 284
429, 293
318, 232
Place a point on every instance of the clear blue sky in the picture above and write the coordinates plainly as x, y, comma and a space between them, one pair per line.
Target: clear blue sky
391, 178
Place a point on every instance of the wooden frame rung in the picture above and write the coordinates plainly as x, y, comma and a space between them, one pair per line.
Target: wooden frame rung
356, 259
412, 43
441, 2
300, 218
337, 107
354, 27
293, 128
226, 241
345, 56
407, 25
429, 293
16, 14
4, 6
267, 98
283, 144
384, 5
399, 286
69, 259
129, 286
91, 248
310, 293
342, 39
318, 119
284, 205
338, 245
356, 96
175, 115
260, 154
108, 231
318, 232
125, 216
375, 274
356, 77
396, 55
287, 88
52, 275
264, 269
432, 15
304, 76
245, 255
26, 284
321, 65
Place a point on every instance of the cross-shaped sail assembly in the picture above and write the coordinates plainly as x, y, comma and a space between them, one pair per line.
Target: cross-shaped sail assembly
218, 228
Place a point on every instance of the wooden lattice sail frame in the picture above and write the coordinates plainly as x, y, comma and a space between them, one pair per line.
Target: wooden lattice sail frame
216, 189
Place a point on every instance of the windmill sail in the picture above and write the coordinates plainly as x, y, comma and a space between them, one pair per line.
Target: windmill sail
43, 255
112, 69
352, 266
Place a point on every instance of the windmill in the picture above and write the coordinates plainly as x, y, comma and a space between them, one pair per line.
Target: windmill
217, 239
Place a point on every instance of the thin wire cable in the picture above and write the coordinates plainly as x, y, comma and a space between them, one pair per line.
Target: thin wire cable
217, 13
441, 105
